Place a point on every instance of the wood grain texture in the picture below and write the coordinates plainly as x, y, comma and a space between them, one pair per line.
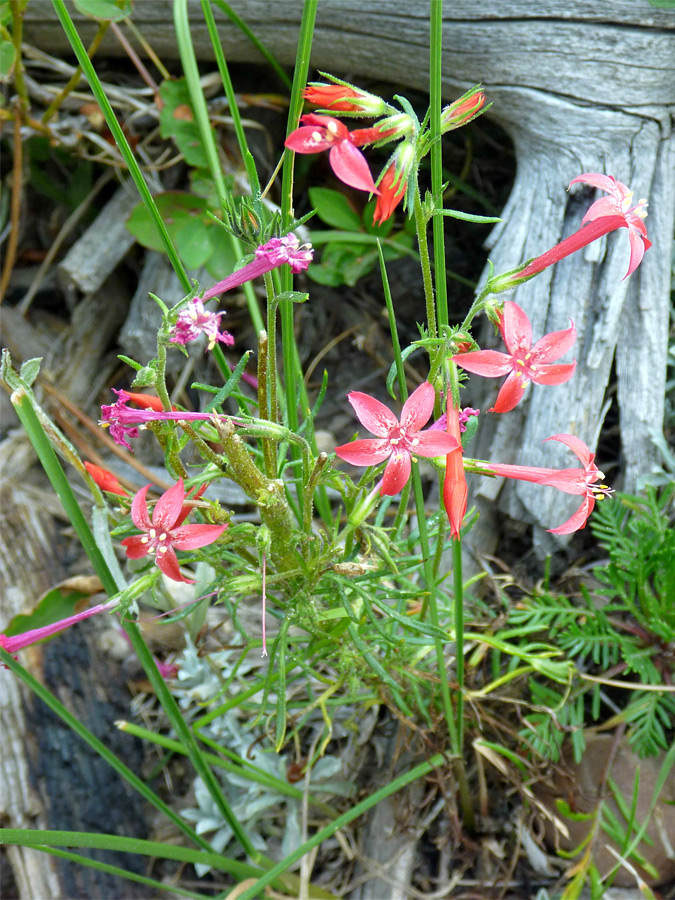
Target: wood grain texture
580, 86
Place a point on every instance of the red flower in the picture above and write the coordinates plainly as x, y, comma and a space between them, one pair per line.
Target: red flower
105, 480
145, 401
392, 191
393, 183
605, 215
523, 363
455, 490
344, 98
571, 481
398, 441
164, 532
325, 133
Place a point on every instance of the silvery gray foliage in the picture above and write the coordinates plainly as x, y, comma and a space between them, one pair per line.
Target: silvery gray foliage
258, 807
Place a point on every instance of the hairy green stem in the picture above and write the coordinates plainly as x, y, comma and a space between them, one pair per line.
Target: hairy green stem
423, 244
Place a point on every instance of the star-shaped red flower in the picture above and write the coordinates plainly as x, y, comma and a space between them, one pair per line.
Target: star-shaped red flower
166, 530
398, 441
524, 362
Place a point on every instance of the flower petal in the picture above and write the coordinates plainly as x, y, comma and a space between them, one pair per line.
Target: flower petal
516, 328
576, 445
168, 564
605, 206
366, 452
578, 520
190, 537
433, 443
510, 394
638, 245
571, 481
603, 182
308, 139
558, 374
418, 408
488, 363
350, 166
136, 546
139, 509
397, 473
554, 345
169, 506
372, 414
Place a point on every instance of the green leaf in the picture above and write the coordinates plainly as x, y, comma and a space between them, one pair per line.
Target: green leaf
57, 604
109, 10
334, 209
177, 210
193, 242
7, 57
30, 370
662, 4
177, 121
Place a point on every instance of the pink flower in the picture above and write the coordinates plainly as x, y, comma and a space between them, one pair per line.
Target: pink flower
18, 641
571, 481
464, 415
346, 160
605, 215
123, 421
455, 489
274, 253
196, 320
166, 530
618, 203
398, 441
523, 363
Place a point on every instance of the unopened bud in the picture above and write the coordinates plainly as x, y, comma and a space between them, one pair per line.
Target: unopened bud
462, 110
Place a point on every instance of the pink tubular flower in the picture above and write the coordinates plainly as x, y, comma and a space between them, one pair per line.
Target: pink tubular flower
398, 441
166, 530
604, 216
18, 641
455, 490
571, 481
105, 479
196, 320
346, 160
523, 363
274, 253
123, 421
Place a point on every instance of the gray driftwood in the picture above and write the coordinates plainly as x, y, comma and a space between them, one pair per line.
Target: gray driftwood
580, 86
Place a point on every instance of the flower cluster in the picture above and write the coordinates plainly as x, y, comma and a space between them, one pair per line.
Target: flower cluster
323, 132
524, 362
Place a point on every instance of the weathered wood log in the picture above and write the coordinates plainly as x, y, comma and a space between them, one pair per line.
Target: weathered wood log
580, 86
